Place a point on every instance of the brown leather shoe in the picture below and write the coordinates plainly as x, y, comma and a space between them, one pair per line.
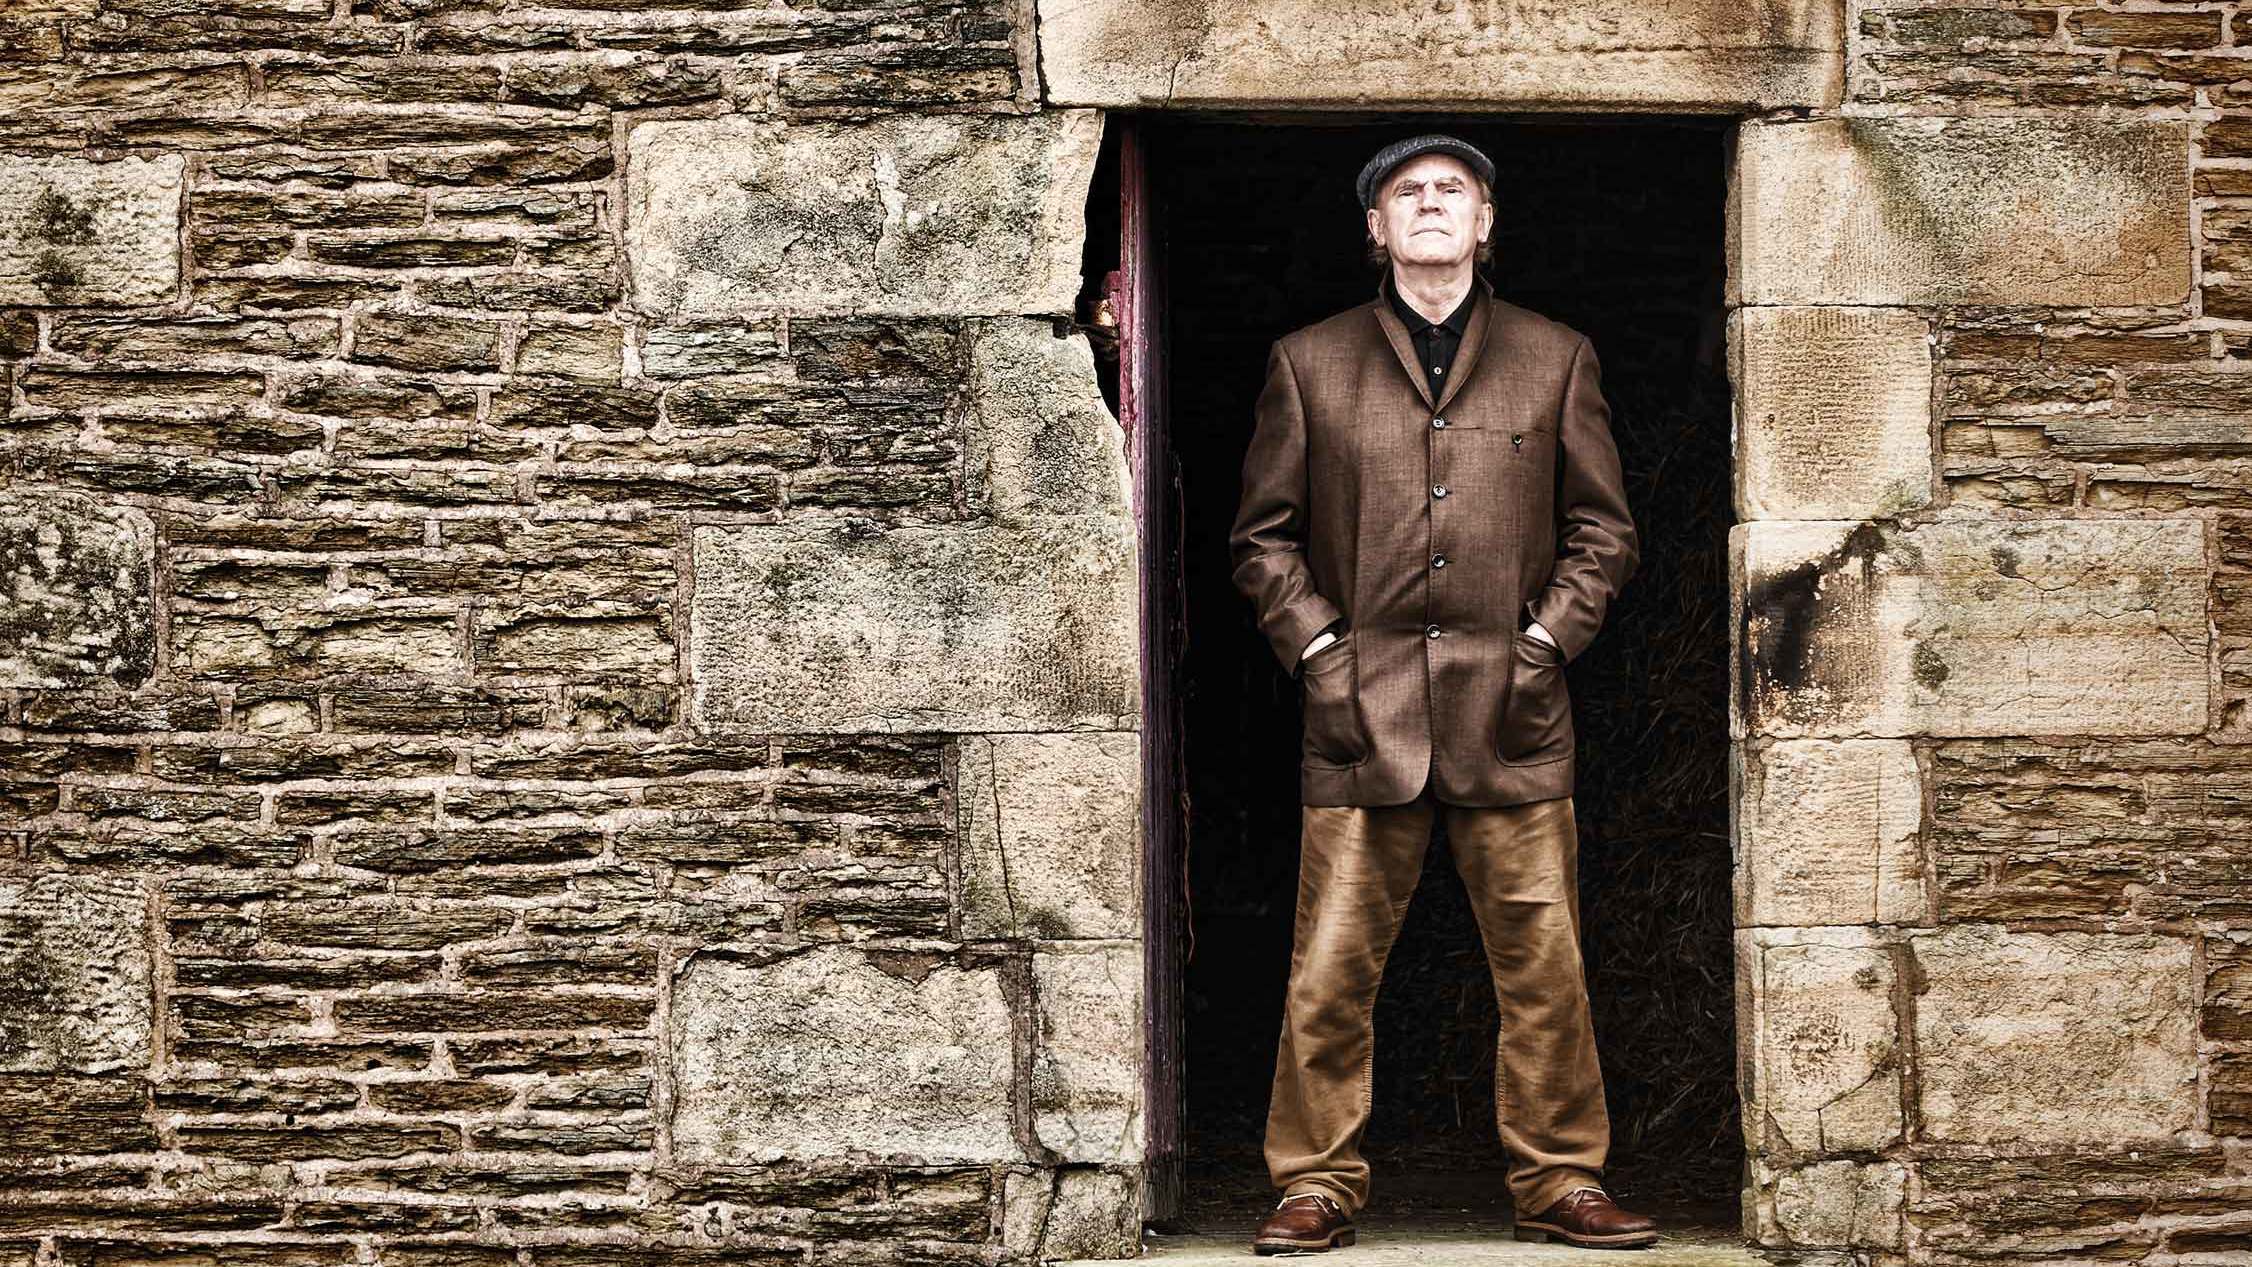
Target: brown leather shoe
1307, 1221
1587, 1216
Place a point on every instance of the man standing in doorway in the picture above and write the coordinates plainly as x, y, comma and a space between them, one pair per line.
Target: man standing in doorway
1433, 524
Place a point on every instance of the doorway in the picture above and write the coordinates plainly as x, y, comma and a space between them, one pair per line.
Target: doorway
1249, 229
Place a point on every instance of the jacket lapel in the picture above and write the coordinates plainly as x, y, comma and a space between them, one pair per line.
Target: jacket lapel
1474, 337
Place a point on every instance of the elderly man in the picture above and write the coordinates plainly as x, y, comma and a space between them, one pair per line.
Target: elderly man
1432, 526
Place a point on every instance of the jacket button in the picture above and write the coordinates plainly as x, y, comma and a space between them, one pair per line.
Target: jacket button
1438, 490
1517, 439
1438, 422
1438, 560
1430, 631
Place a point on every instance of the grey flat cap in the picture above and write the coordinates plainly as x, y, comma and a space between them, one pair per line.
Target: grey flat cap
1398, 152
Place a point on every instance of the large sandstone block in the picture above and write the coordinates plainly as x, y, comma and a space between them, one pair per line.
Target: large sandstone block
1902, 211
1832, 1203
1824, 1058
2054, 1038
1833, 412
76, 581
955, 628
1051, 835
1410, 53
74, 975
1826, 834
1970, 627
908, 213
1041, 440
1072, 1212
77, 232
834, 1051
1087, 1054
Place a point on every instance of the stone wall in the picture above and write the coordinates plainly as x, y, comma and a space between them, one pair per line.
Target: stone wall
1992, 835
568, 678
567, 659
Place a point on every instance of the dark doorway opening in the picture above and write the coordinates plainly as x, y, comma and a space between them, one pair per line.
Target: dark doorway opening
1614, 227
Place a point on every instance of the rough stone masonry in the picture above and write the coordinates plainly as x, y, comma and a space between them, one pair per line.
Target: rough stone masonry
568, 683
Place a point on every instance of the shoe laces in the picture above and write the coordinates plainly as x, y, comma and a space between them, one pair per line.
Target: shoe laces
1572, 1197
1332, 1206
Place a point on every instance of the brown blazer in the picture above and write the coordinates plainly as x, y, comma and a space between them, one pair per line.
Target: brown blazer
1343, 522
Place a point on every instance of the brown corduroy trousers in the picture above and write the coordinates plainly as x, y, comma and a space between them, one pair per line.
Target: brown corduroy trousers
1357, 870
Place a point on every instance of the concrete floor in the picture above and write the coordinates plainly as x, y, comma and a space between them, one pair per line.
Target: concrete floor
1439, 1221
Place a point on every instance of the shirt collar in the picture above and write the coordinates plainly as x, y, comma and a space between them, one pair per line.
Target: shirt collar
1456, 321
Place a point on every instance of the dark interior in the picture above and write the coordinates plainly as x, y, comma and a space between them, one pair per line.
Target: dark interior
1615, 228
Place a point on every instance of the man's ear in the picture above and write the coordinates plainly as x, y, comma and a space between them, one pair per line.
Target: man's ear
1375, 226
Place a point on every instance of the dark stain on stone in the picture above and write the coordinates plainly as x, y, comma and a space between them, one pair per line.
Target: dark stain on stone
53, 271
1776, 636
1928, 667
2006, 559
55, 218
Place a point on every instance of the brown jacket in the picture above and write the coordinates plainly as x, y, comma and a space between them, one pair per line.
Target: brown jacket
1343, 522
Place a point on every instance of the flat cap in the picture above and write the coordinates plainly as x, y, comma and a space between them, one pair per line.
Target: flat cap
1398, 152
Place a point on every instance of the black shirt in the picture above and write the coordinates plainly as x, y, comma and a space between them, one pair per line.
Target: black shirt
1434, 344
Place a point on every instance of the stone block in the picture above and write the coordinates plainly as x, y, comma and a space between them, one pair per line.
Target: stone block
74, 975
1826, 834
2054, 1037
83, 233
1410, 54
962, 214
1825, 1047
954, 628
1833, 412
1041, 440
77, 606
1926, 210
1051, 835
835, 1050
1970, 628
1072, 1212
1087, 1053
1834, 1203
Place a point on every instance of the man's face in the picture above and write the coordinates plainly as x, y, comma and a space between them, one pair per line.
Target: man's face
1430, 211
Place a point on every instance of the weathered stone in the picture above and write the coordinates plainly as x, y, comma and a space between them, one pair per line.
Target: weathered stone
1833, 412
1087, 1052
835, 1050
74, 975
1963, 627
1824, 1043
2054, 1037
1826, 834
76, 582
1842, 1203
2077, 1205
78, 232
950, 628
1051, 835
732, 348
2026, 830
959, 214
1072, 1213
1399, 54
1984, 210
1041, 440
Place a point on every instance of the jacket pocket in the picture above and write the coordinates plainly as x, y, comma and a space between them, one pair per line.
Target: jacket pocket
1537, 724
1329, 681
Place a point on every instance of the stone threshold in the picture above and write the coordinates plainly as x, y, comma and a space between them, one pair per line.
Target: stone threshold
1404, 1242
